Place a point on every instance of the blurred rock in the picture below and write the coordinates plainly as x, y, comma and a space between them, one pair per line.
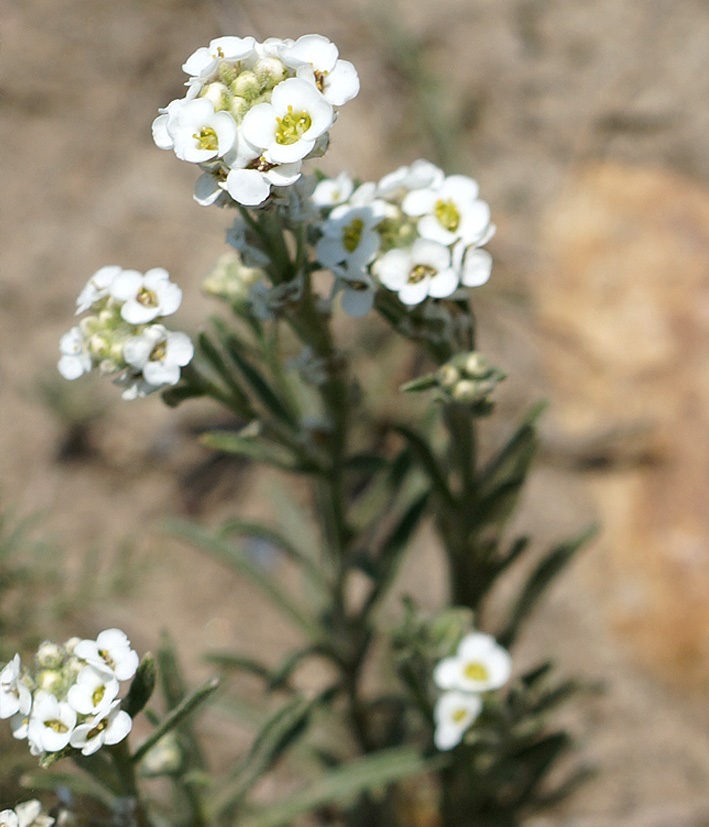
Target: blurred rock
623, 306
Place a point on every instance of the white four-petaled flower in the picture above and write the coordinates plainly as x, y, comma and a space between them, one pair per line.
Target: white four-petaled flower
159, 354
145, 297
108, 727
110, 653
15, 696
480, 664
453, 714
422, 270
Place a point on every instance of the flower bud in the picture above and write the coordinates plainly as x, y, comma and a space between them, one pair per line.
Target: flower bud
447, 376
238, 107
218, 94
476, 366
466, 391
50, 680
49, 655
246, 85
270, 71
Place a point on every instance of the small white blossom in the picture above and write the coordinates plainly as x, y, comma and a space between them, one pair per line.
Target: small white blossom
108, 727
449, 211
287, 127
479, 665
333, 191
29, 814
145, 297
198, 132
110, 653
15, 697
51, 723
417, 272
315, 58
159, 354
453, 714
419, 175
475, 267
357, 288
349, 235
8, 818
203, 64
94, 691
97, 287
251, 186
75, 359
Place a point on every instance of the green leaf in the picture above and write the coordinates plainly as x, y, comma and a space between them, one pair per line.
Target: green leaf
254, 447
249, 528
225, 552
342, 785
80, 785
231, 660
173, 396
421, 383
260, 386
429, 463
539, 581
176, 717
216, 361
141, 687
274, 738
513, 460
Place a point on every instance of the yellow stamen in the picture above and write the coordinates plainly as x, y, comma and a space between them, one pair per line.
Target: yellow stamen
159, 352
352, 235
98, 694
447, 214
420, 272
475, 671
459, 715
148, 299
56, 725
207, 139
292, 126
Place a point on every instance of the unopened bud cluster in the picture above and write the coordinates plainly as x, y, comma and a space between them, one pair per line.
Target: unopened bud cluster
69, 698
231, 280
123, 336
467, 378
254, 112
26, 814
417, 232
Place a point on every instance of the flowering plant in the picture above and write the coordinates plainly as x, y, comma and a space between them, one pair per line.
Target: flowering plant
447, 704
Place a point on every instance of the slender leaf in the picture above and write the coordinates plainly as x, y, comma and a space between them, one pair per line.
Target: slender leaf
255, 448
230, 555
539, 581
372, 772
80, 785
176, 716
428, 462
515, 456
275, 737
216, 361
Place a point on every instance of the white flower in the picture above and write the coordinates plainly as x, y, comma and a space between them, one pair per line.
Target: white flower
51, 723
29, 814
332, 191
252, 186
110, 653
197, 131
8, 818
94, 691
97, 287
419, 175
357, 288
15, 697
453, 714
287, 127
145, 297
203, 63
449, 210
348, 235
474, 267
108, 727
75, 359
315, 58
480, 664
159, 353
414, 273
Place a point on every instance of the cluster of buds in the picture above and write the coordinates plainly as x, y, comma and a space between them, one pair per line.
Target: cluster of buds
254, 112
417, 233
70, 698
26, 814
480, 665
122, 336
232, 280
468, 379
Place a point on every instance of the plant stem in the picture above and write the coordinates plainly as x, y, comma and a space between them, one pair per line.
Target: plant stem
125, 769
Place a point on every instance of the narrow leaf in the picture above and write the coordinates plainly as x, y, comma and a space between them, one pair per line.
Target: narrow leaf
230, 555
80, 785
175, 717
255, 448
372, 772
539, 581
428, 462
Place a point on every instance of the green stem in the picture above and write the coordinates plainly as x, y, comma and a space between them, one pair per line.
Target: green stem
125, 769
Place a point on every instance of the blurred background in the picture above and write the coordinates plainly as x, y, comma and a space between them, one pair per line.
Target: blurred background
586, 126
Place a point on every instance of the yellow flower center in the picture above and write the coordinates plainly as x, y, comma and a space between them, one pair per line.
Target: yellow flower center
352, 235
100, 726
56, 725
159, 352
207, 139
146, 297
459, 715
292, 126
98, 694
447, 214
107, 659
420, 272
476, 671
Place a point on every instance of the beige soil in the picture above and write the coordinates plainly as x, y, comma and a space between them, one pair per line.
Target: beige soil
540, 85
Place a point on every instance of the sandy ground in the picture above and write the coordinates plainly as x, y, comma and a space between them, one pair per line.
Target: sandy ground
535, 88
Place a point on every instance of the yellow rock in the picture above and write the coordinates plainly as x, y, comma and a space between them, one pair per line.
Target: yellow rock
623, 304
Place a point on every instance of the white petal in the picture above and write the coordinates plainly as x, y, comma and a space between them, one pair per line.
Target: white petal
126, 285
248, 187
342, 84
412, 294
180, 349
259, 125
119, 726
477, 266
443, 284
446, 673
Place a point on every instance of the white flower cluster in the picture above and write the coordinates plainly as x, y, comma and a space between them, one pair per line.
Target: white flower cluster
26, 814
70, 699
417, 232
123, 336
480, 665
254, 112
